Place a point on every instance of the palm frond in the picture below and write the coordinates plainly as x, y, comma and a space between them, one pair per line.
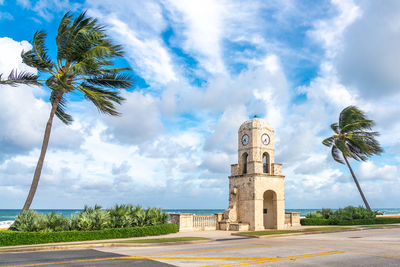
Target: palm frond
15, 78
103, 99
335, 128
111, 79
328, 141
37, 57
60, 111
337, 155
340, 144
350, 115
357, 126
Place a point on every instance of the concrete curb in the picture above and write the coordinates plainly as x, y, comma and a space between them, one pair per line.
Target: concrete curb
94, 245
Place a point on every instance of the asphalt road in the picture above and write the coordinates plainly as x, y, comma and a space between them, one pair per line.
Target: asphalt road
82, 257
375, 247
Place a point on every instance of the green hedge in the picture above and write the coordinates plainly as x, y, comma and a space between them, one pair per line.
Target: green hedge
315, 221
378, 220
12, 238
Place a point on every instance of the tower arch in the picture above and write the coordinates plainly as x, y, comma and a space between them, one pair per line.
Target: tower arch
269, 209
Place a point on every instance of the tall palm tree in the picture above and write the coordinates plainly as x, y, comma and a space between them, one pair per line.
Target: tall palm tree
83, 65
15, 78
353, 138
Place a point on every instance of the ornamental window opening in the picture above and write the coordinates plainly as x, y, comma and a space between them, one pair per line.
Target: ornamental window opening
244, 162
265, 163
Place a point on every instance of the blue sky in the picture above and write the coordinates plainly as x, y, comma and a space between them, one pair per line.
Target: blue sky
202, 68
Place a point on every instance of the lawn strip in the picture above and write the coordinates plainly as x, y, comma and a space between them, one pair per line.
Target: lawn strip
382, 226
307, 230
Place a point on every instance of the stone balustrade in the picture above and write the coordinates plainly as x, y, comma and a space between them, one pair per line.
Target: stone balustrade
292, 219
191, 222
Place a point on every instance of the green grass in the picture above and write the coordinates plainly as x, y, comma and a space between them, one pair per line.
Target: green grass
382, 226
309, 230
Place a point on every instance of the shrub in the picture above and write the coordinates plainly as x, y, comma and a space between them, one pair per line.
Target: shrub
29, 221
315, 221
12, 238
138, 216
55, 222
320, 214
120, 216
379, 220
352, 213
348, 213
91, 219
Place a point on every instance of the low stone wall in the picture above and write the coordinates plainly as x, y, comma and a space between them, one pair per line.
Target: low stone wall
191, 222
292, 219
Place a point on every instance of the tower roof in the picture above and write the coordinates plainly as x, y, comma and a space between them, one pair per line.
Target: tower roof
255, 123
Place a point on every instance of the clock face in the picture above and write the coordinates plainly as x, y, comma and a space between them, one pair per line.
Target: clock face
245, 139
265, 139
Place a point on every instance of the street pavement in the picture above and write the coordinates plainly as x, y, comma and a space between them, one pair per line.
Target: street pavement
372, 247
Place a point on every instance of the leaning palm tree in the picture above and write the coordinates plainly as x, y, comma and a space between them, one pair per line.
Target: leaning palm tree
353, 138
83, 65
15, 78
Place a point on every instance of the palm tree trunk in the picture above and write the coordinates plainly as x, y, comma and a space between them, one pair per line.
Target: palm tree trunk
39, 165
357, 184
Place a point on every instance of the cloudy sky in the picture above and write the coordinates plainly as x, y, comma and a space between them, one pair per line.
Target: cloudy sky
201, 69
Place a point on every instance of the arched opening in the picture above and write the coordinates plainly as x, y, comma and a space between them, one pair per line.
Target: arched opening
270, 209
244, 162
265, 162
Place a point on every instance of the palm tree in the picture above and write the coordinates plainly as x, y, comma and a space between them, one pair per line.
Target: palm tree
16, 78
353, 138
83, 65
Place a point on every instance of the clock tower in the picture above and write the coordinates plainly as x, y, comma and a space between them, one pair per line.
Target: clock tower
256, 184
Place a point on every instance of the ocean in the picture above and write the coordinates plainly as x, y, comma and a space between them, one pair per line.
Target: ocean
10, 214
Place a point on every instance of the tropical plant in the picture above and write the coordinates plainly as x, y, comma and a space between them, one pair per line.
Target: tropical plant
29, 221
83, 65
352, 213
120, 216
15, 78
353, 138
91, 219
55, 222
138, 215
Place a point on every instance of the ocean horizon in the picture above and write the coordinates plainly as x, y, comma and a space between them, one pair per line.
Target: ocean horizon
11, 214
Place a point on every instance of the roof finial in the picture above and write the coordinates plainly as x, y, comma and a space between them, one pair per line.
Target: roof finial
255, 116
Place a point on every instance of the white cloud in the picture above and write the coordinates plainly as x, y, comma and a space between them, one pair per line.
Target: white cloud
368, 170
139, 121
370, 58
202, 24
139, 34
329, 31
